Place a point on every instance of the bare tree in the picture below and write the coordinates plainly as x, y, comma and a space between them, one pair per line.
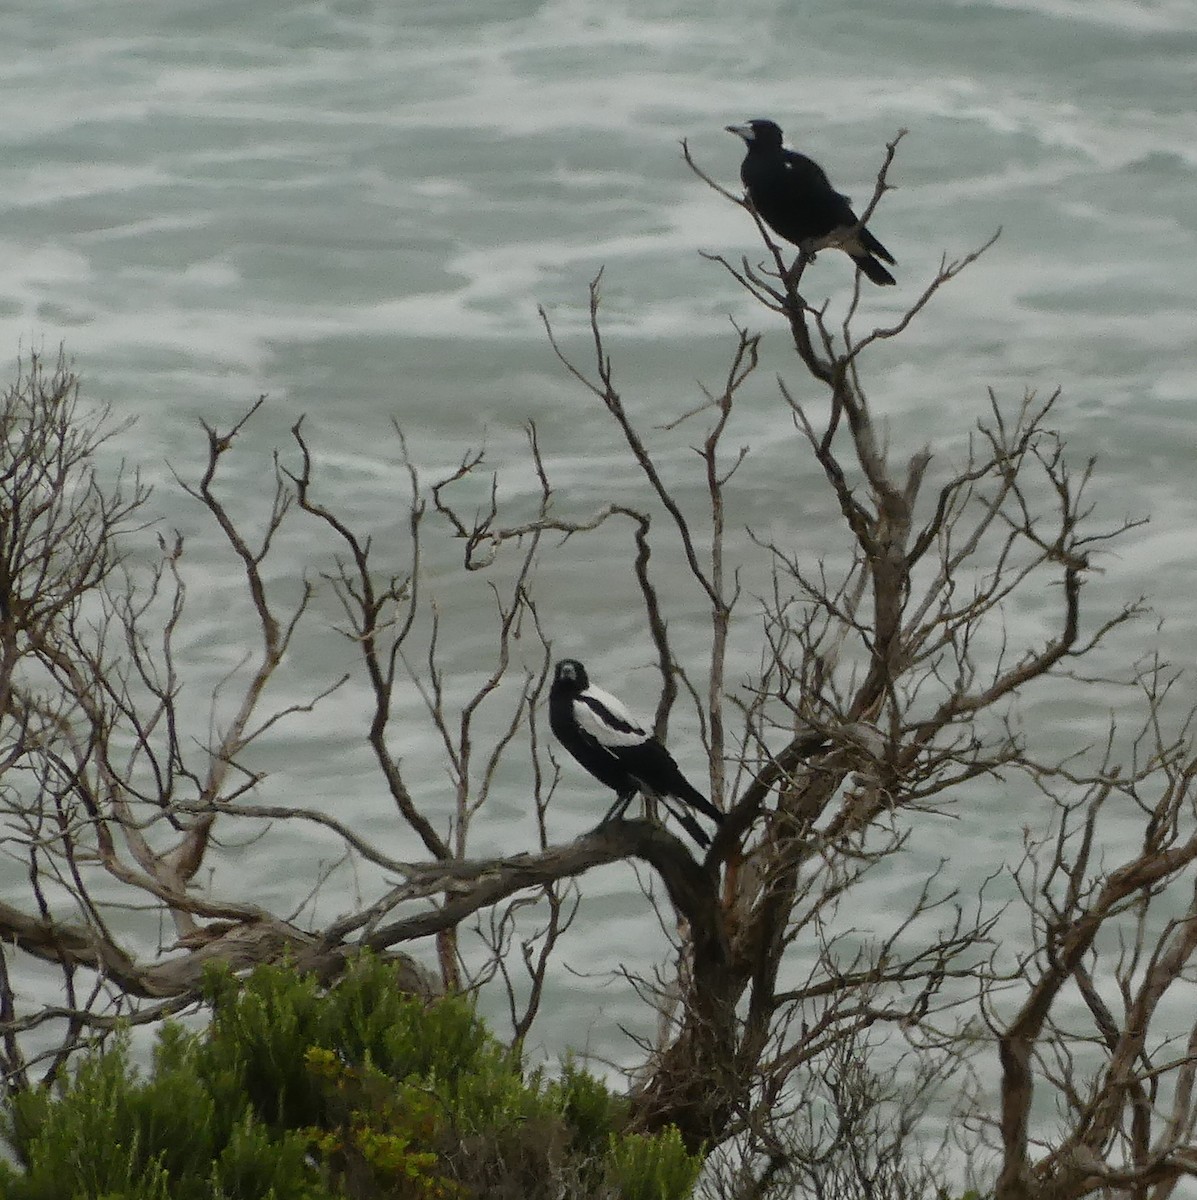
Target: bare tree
788, 1037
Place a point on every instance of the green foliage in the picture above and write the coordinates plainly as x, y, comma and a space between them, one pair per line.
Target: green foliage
589, 1108
299, 1093
378, 1129
174, 1136
654, 1168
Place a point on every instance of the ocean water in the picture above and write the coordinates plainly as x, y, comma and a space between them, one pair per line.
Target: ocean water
356, 209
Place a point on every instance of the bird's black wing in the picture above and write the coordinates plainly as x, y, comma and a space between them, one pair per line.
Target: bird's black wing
826, 208
834, 209
806, 173
795, 198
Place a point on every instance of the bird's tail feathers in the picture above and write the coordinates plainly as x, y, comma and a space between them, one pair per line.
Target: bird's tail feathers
872, 268
873, 246
690, 795
690, 825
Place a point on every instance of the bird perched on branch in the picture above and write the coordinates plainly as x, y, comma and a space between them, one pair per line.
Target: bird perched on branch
794, 197
617, 750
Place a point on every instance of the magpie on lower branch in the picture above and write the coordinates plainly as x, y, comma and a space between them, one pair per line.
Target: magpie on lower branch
618, 750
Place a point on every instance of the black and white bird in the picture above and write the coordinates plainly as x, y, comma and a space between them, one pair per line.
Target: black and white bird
618, 750
795, 199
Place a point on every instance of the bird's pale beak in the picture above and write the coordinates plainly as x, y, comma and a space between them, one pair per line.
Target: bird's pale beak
743, 131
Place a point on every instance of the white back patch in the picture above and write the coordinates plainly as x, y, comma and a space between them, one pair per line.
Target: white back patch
590, 721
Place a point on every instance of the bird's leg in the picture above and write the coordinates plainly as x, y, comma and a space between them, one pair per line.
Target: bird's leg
620, 806
806, 255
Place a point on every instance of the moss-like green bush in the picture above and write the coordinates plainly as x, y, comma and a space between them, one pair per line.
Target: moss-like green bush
297, 1093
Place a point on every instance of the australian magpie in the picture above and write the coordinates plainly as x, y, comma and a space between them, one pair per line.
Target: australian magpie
795, 199
617, 750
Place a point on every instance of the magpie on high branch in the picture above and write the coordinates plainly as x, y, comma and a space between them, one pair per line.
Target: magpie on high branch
793, 196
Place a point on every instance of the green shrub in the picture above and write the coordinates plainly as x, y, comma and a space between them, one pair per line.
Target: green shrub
656, 1168
298, 1093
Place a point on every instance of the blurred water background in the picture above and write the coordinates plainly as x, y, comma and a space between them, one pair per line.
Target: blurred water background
355, 208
